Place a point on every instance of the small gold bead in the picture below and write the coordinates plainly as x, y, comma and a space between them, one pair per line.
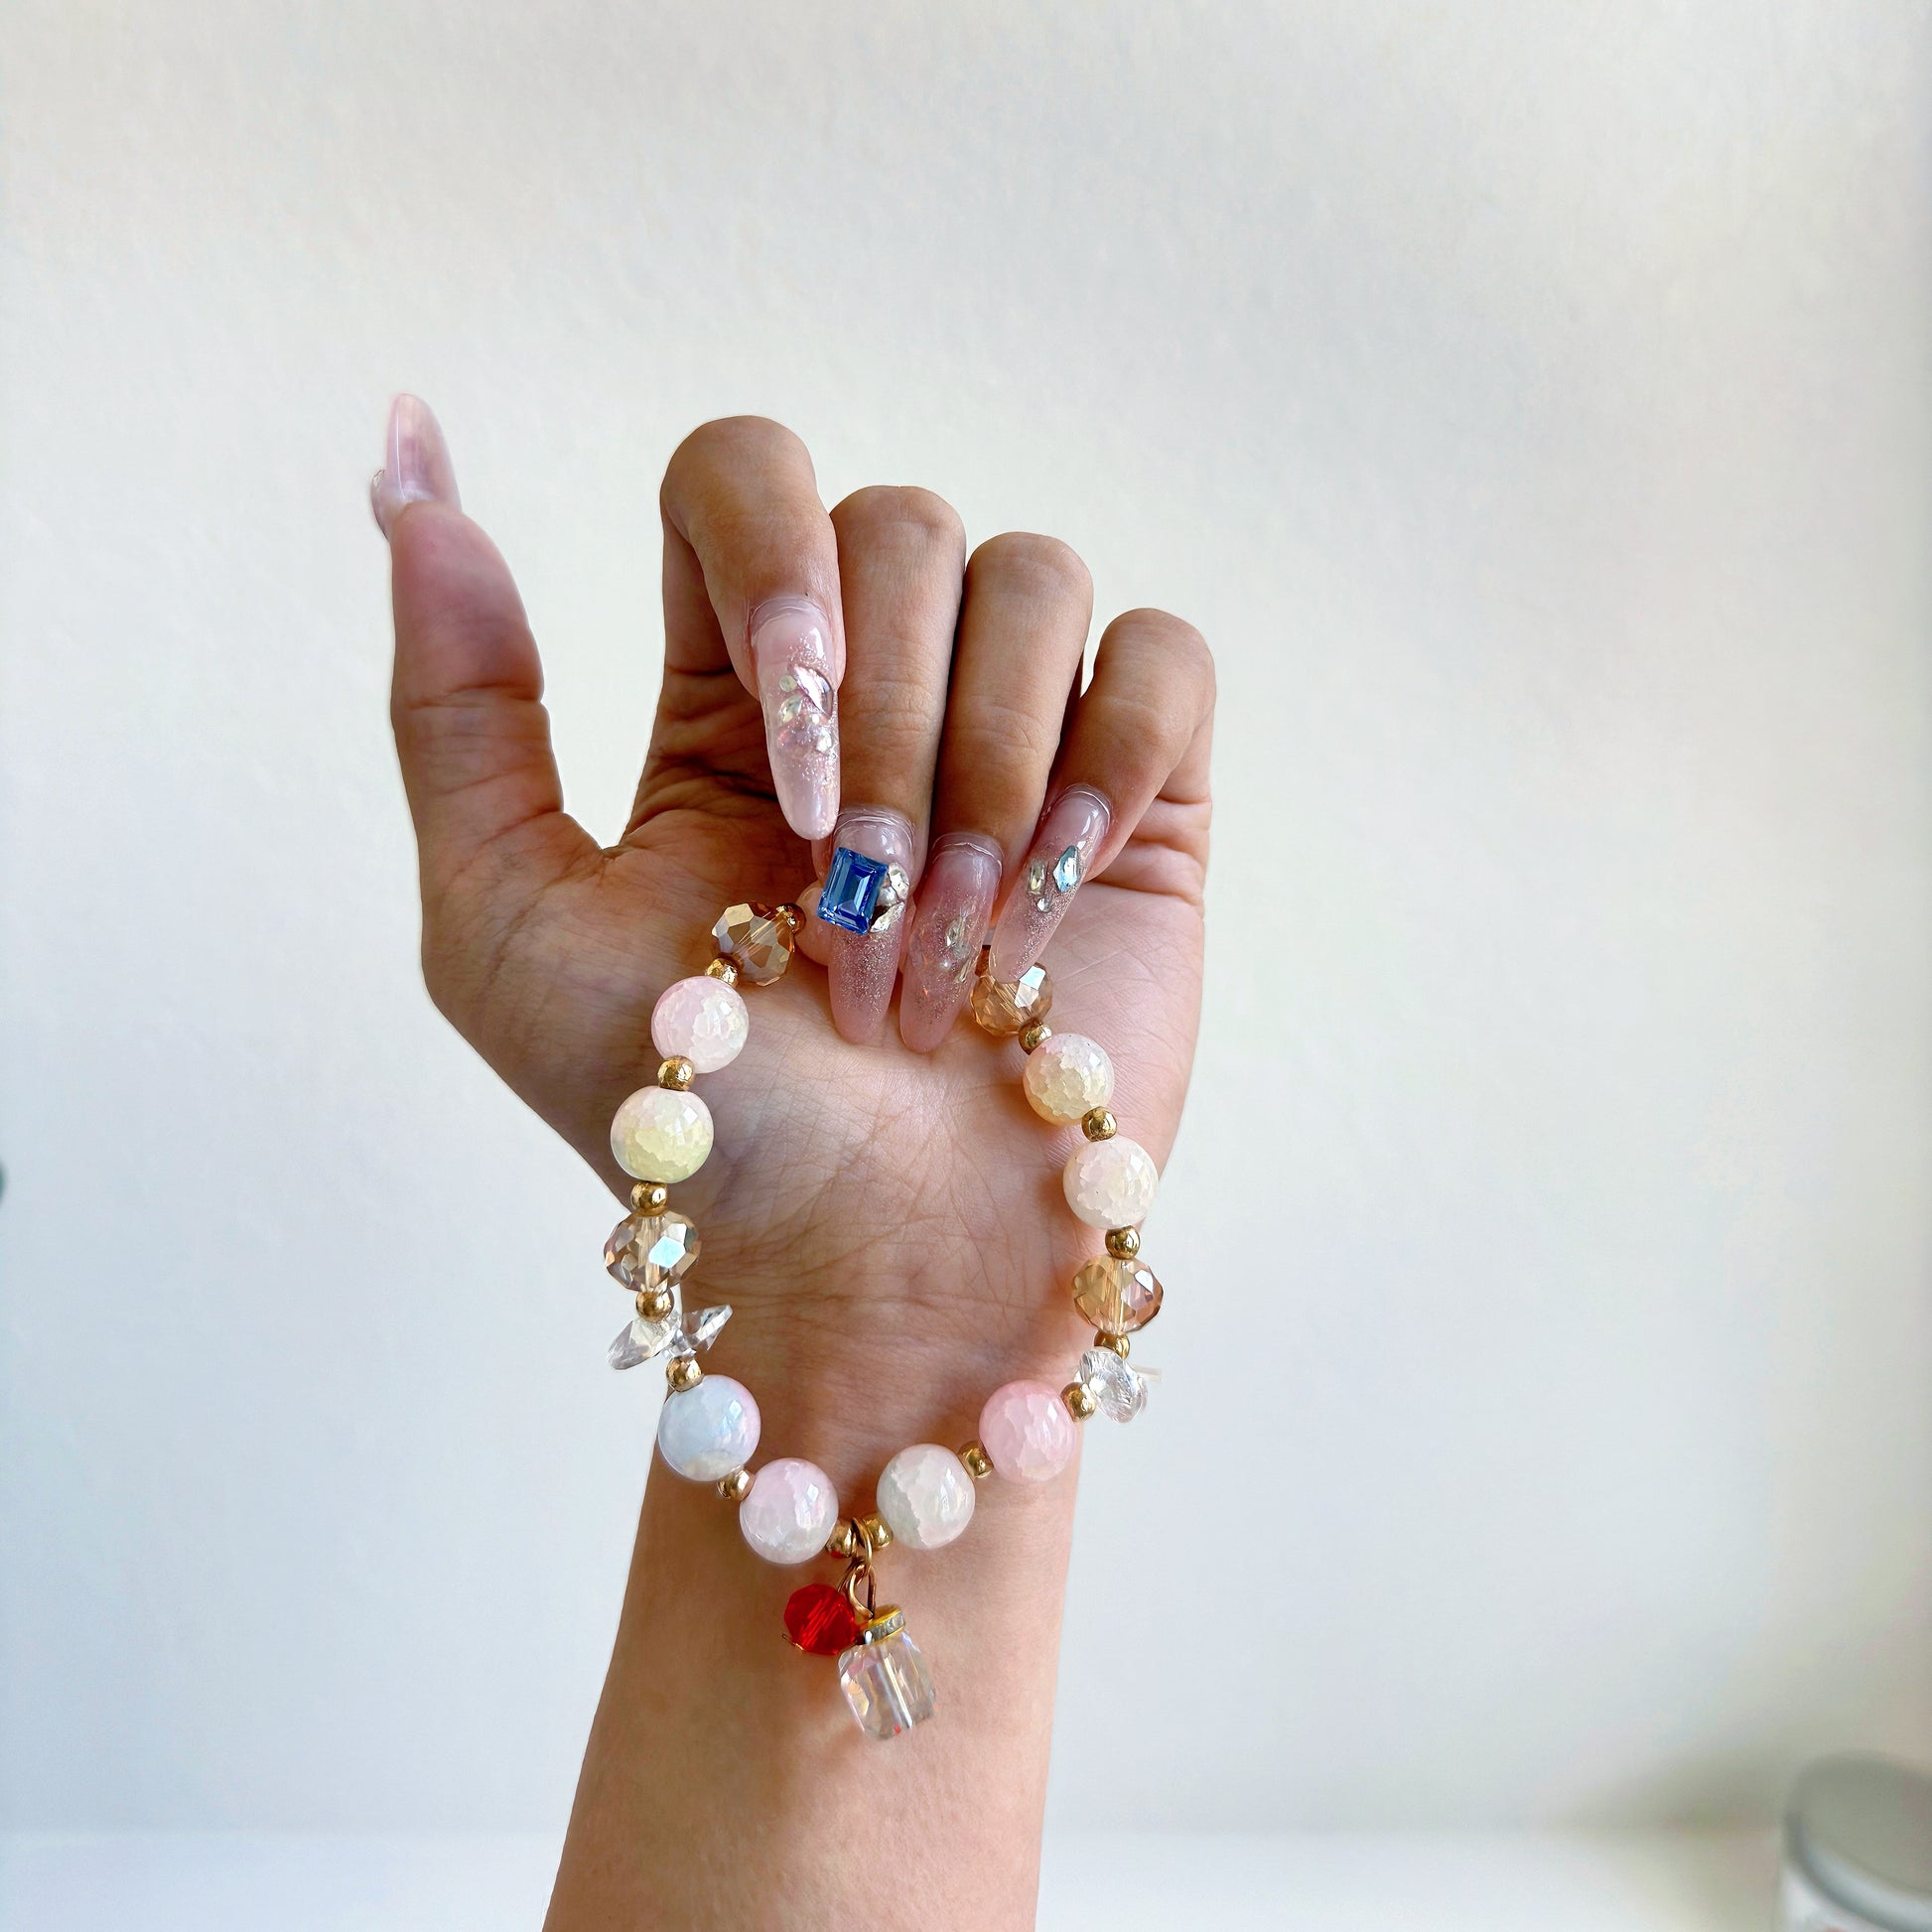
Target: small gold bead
879, 1530
736, 1486
1080, 1401
677, 1074
1118, 1343
1123, 1243
723, 969
655, 1304
684, 1373
979, 1466
844, 1541
1099, 1125
650, 1196
788, 915
1036, 1033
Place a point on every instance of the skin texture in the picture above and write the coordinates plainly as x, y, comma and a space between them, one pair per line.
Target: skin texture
888, 1224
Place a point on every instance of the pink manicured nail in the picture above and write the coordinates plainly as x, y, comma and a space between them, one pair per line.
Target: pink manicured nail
865, 964
955, 900
792, 648
1062, 854
418, 468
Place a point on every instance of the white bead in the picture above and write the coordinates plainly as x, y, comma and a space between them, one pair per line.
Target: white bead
701, 1018
925, 1496
708, 1429
1110, 1183
790, 1510
1068, 1076
659, 1134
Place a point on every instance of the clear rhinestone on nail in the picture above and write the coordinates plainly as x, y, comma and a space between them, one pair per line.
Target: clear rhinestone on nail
1066, 872
1036, 878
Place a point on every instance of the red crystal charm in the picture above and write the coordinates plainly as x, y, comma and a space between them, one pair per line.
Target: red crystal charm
820, 1622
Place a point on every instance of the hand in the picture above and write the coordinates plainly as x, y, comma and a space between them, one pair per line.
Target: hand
884, 1216
862, 1194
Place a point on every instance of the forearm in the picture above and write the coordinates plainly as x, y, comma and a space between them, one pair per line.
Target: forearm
725, 1783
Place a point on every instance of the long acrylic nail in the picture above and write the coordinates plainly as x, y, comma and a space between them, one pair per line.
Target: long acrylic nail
791, 648
417, 467
869, 843
956, 895
1062, 854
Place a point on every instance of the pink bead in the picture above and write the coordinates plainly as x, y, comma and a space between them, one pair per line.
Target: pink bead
1025, 1430
701, 1019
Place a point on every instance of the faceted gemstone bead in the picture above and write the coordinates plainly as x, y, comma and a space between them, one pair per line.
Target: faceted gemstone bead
752, 939
886, 1683
851, 890
1068, 1076
708, 1429
659, 1134
1117, 1297
700, 1330
1121, 1393
1025, 1430
639, 1340
1110, 1183
790, 1510
925, 1496
1003, 1006
651, 1250
820, 1621
701, 1019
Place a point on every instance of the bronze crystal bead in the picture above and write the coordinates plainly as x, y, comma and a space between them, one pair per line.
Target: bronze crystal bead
1003, 1006
755, 941
1117, 1297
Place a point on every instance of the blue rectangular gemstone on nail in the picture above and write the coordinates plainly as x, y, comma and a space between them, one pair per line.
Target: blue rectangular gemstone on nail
851, 890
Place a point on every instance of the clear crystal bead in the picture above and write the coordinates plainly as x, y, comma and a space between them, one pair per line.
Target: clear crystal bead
639, 1340
700, 1330
651, 1250
1120, 1393
888, 1685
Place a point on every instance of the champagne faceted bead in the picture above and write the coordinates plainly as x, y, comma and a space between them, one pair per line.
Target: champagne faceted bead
1117, 1297
1003, 1006
1066, 1077
755, 941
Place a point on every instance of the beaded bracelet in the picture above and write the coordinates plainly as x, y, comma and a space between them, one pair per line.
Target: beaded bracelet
708, 1430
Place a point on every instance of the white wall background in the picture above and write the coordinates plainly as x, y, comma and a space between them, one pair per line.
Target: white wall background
1530, 403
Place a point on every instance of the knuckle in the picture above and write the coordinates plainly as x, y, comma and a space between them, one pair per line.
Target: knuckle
1043, 566
881, 509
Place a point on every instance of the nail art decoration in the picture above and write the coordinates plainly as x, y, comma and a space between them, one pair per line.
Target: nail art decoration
868, 883
956, 895
792, 649
1063, 851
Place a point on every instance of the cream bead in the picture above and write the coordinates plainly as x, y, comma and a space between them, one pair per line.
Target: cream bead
701, 1019
709, 1429
1110, 1183
925, 1496
790, 1511
661, 1134
1068, 1075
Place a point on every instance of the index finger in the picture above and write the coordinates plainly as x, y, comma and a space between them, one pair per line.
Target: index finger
752, 581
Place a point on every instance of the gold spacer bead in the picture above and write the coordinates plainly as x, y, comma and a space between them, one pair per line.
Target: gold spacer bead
723, 969
1034, 1034
1118, 1343
1080, 1401
1123, 1243
684, 1373
844, 1539
736, 1486
655, 1304
880, 1532
979, 1466
677, 1074
650, 1196
789, 915
1099, 1125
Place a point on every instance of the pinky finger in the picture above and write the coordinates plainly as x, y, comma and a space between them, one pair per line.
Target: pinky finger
1139, 730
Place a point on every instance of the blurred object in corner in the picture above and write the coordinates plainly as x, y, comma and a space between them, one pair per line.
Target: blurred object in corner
1858, 1848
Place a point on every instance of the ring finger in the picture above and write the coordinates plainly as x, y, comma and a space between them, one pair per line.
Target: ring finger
1021, 631
901, 553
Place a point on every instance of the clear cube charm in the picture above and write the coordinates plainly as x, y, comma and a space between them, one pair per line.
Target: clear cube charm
1119, 1391
885, 1680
